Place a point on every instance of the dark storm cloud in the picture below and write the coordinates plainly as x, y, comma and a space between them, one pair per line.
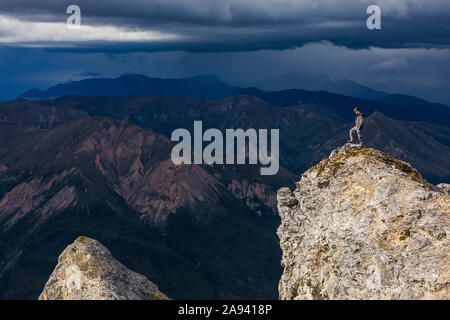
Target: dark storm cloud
245, 25
420, 72
239, 40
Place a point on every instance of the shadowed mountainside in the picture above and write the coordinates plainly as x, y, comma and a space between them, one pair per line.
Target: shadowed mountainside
31, 114
199, 231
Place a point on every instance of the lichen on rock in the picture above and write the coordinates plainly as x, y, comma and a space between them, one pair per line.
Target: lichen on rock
86, 270
363, 225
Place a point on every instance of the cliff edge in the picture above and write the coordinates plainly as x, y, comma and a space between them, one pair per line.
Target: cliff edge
86, 270
363, 225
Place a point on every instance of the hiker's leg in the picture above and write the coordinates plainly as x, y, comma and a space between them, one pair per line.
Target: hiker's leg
360, 136
351, 134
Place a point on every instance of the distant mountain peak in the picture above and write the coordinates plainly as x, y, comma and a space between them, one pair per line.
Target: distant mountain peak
378, 115
317, 82
207, 86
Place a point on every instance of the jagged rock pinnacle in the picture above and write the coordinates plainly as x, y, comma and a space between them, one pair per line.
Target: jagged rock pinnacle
86, 270
363, 225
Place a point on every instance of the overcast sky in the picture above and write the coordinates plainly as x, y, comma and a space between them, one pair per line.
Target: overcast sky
238, 40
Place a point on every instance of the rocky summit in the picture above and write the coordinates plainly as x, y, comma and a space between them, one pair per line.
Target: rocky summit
363, 225
86, 270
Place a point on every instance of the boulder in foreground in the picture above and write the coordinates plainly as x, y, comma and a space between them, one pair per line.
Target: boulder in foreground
363, 225
86, 270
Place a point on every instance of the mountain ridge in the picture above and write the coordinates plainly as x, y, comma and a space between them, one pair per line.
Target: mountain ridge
134, 84
399, 106
308, 131
320, 82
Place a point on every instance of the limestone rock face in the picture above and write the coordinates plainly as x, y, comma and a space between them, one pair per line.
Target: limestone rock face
445, 187
363, 225
86, 270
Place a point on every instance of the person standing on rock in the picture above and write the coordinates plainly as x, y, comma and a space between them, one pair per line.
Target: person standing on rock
359, 125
